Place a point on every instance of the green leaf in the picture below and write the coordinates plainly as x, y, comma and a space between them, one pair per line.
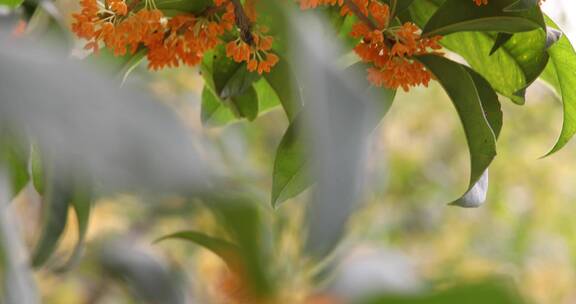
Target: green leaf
494, 292
37, 170
466, 91
230, 78
515, 65
55, 215
82, 206
245, 105
267, 97
501, 39
459, 16
11, 3
290, 176
521, 5
132, 63
14, 156
283, 80
214, 112
560, 74
227, 251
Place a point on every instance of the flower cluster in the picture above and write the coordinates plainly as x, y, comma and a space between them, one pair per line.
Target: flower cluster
168, 41
389, 49
257, 55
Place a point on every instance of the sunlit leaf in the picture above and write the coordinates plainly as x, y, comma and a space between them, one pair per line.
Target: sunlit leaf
560, 74
457, 16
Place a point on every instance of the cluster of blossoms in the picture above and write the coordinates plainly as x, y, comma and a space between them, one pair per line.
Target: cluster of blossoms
125, 27
389, 49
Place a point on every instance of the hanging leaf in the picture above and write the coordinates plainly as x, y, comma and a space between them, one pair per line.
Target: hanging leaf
560, 74
458, 16
466, 91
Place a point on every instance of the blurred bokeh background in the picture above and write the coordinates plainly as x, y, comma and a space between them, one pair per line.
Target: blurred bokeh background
402, 239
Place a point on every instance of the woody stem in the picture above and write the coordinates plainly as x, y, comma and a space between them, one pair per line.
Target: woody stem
356, 11
243, 22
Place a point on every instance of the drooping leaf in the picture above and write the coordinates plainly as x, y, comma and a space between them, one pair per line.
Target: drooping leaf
457, 16
463, 89
517, 62
560, 74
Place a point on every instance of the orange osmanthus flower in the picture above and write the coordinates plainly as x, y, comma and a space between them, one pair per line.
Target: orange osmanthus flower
168, 41
389, 49
257, 55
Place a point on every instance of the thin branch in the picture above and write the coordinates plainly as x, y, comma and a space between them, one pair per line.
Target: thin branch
243, 22
356, 11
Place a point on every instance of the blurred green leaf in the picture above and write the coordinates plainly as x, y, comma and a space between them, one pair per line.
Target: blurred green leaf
290, 176
560, 74
82, 206
479, 293
11, 3
224, 249
14, 156
457, 16
466, 92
